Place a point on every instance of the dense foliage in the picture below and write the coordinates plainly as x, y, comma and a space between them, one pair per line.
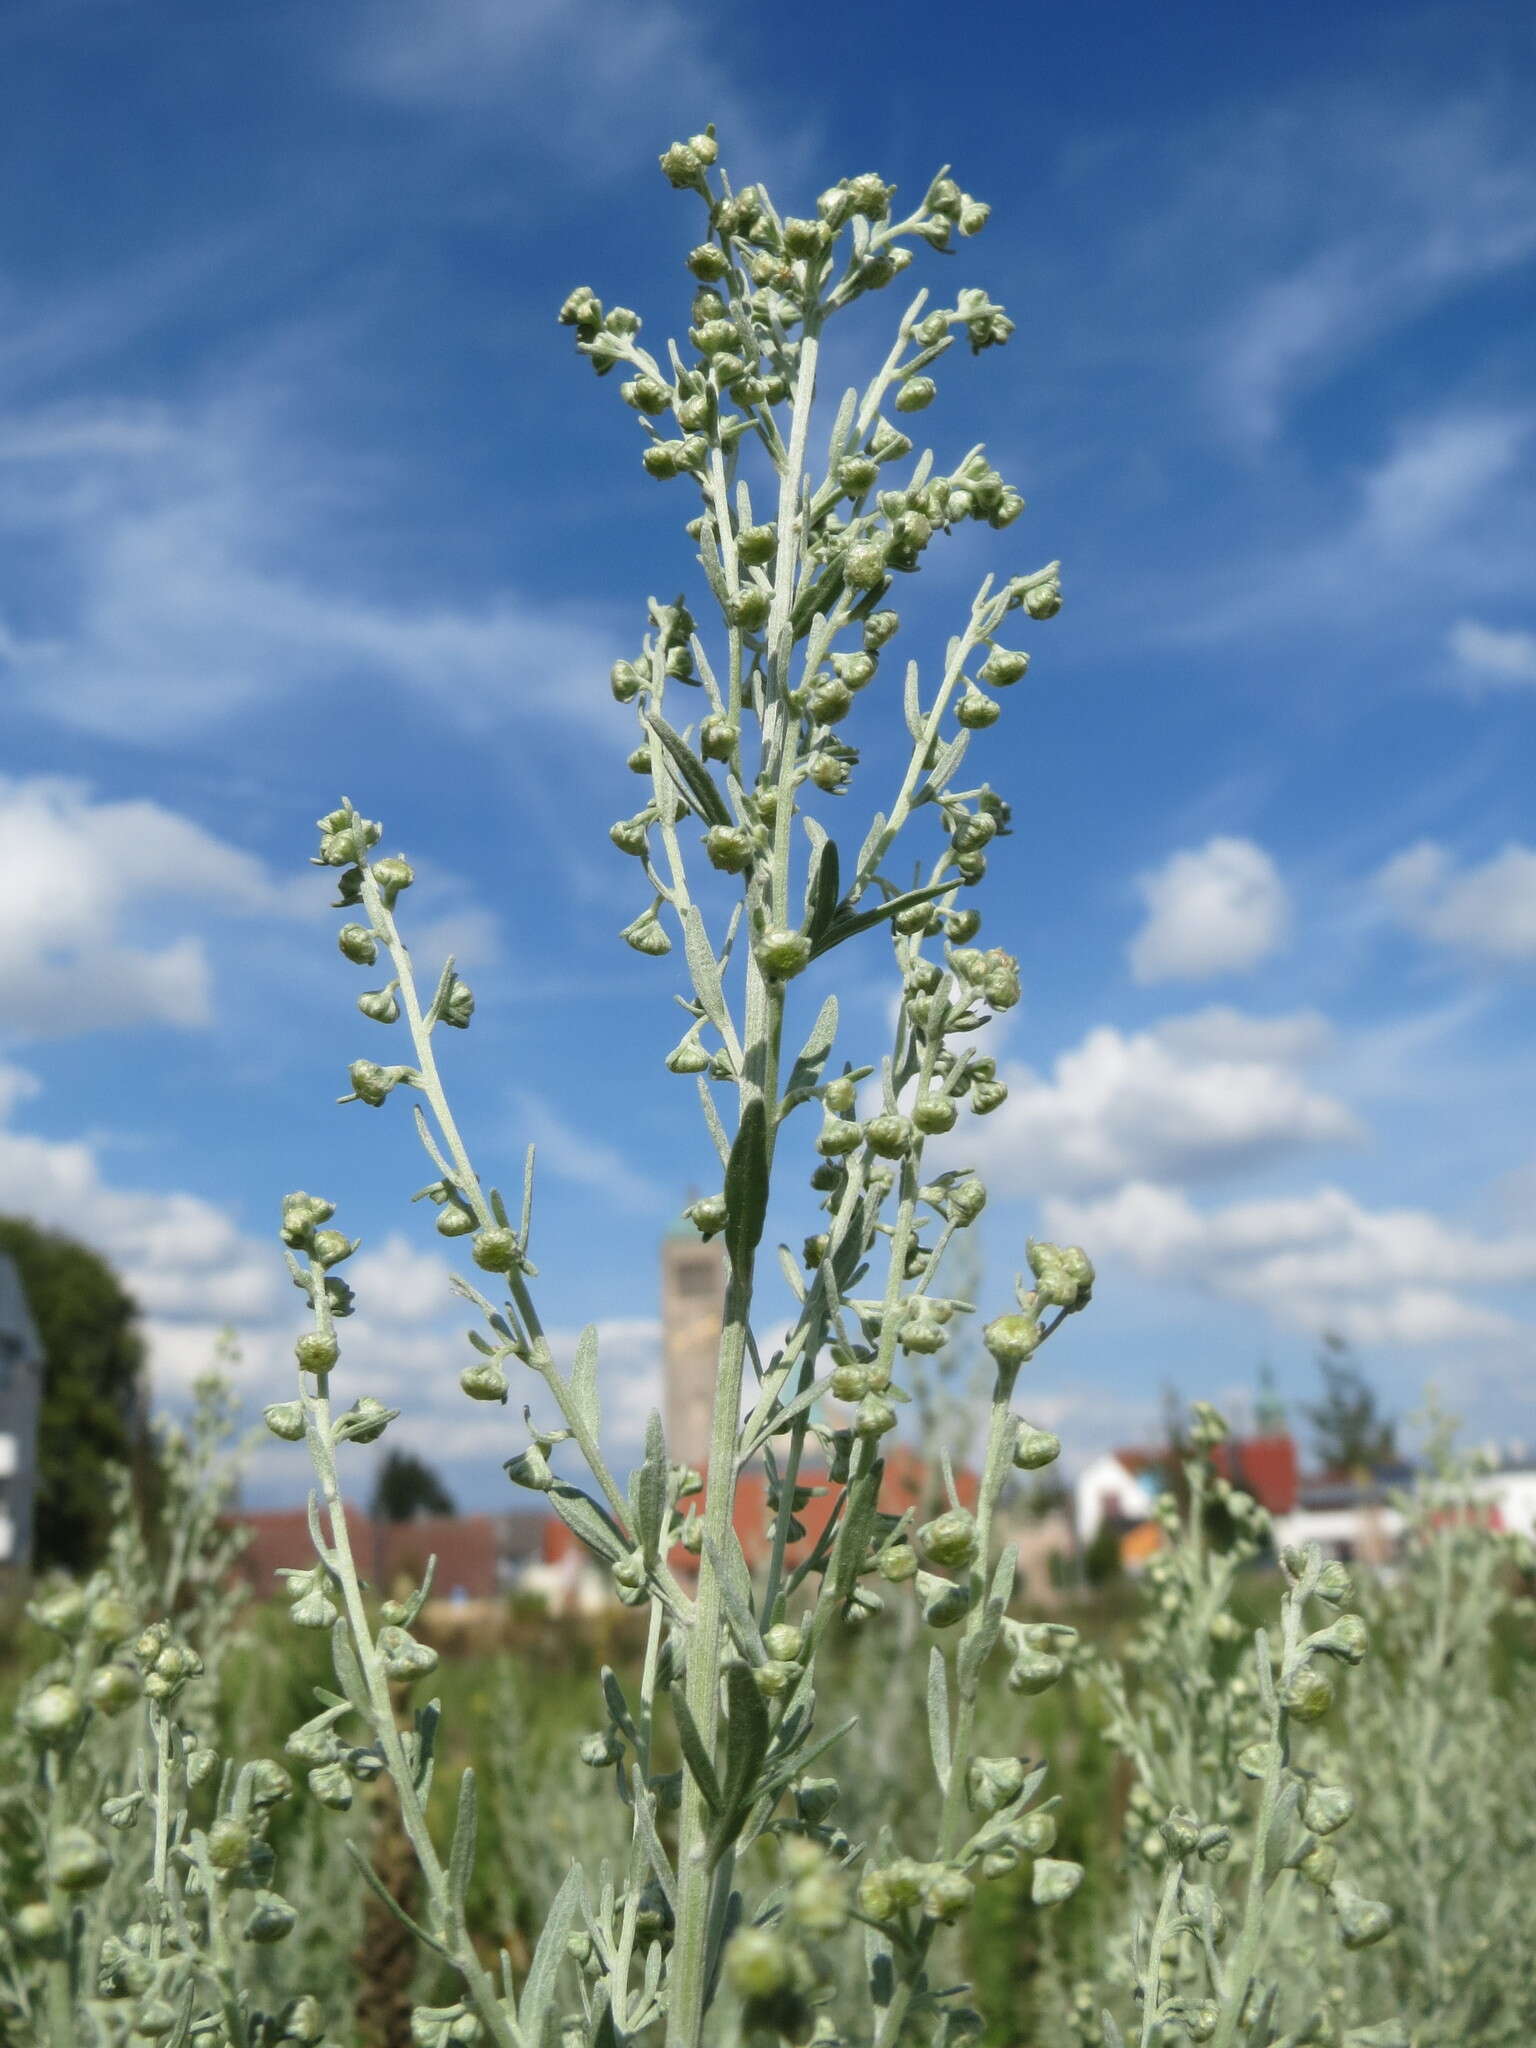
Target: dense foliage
92, 1420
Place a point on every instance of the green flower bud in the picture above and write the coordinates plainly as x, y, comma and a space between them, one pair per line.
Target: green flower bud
707, 1215
380, 1005
530, 1468
598, 1751
582, 308
1004, 667
301, 1214
987, 1096
1052, 1882
496, 1249
268, 1782
1035, 1448
110, 1618
864, 564
1034, 1671
646, 935
915, 394
897, 1563
365, 1421
270, 1919
630, 835
889, 1135
1326, 1808
485, 1380
372, 1083
829, 701
1362, 1922
455, 1221
729, 848
993, 1782
873, 1416
646, 394
782, 954
1307, 1694
950, 1539
1347, 1639
922, 1333
1255, 1760
113, 1688
942, 1601
52, 1715
774, 1678
1013, 1339
316, 1351
934, 1114
63, 1612
229, 1843
302, 2020
682, 166
313, 1610
759, 1964
77, 1861
948, 1894
1333, 1584
403, 1657
285, 1419
331, 1786
1044, 600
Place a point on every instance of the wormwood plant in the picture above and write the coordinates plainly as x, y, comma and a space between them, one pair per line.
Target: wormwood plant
135, 1873
745, 738
1231, 1893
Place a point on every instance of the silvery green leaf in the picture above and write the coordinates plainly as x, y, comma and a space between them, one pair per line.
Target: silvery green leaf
582, 1515
911, 702
842, 426
717, 1129
746, 1185
872, 838
730, 1569
525, 1228
694, 1753
822, 889
812, 1056
461, 1853
583, 1380
945, 762
349, 1674
938, 1717
617, 1705
849, 926
648, 1491
746, 1744
794, 1280
693, 778
645, 1824
428, 1718
381, 1892
704, 968
537, 2017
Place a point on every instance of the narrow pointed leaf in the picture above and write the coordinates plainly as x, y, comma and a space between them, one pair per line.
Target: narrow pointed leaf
746, 1185
693, 778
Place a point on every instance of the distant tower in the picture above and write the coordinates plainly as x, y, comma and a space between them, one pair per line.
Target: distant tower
692, 1313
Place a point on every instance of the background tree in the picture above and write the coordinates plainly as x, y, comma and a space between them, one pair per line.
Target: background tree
1349, 1431
93, 1409
408, 1487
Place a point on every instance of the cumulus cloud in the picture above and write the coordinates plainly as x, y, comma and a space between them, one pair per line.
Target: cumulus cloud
1486, 911
1493, 657
80, 873
1194, 1097
588, 1162
183, 1259
1390, 1276
1214, 909
1439, 470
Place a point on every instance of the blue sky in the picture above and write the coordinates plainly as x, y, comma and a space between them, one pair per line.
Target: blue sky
302, 492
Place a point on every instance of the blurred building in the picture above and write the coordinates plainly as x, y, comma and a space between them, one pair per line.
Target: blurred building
692, 1315
21, 1402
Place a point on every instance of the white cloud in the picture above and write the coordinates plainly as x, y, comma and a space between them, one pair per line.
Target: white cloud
80, 874
182, 1258
191, 567
1391, 212
1488, 911
1391, 1276
1440, 470
592, 94
1195, 1096
1215, 909
1491, 657
587, 1162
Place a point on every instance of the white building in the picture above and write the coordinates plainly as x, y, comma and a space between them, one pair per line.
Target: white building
1108, 1491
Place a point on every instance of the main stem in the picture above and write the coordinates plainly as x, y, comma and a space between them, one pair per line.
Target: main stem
689, 1972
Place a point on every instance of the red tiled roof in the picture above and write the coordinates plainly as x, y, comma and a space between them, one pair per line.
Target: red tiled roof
1266, 1466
